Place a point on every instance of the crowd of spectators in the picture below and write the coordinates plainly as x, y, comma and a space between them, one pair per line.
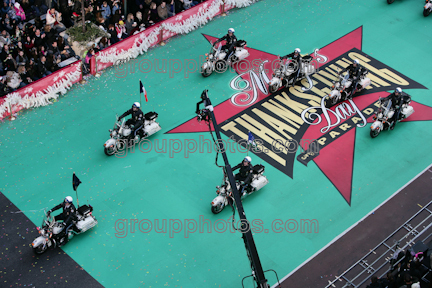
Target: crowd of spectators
408, 270
33, 42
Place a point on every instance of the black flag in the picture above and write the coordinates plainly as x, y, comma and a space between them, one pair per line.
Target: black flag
75, 182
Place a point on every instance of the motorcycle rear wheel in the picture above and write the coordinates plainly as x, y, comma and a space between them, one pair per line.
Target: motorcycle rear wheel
390, 1
374, 133
426, 12
220, 66
217, 209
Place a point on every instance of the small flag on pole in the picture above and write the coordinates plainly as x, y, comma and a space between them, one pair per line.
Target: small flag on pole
142, 90
75, 182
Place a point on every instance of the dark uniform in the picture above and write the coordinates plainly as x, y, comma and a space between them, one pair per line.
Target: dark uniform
245, 173
396, 105
297, 62
137, 120
230, 42
354, 75
68, 215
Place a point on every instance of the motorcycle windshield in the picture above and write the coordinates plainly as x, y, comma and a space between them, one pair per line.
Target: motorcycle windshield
387, 108
345, 79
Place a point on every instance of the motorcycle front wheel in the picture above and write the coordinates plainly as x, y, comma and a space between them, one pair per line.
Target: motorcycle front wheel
390, 1
40, 249
109, 151
426, 12
217, 209
273, 88
206, 72
374, 133
220, 66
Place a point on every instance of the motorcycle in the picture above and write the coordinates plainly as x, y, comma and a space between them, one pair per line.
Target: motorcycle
121, 132
215, 59
341, 89
225, 191
427, 8
51, 231
284, 74
385, 112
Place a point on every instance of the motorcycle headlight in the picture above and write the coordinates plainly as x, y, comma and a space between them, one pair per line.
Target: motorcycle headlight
114, 133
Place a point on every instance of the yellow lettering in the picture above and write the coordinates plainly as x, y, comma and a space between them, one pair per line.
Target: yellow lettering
333, 134
284, 113
322, 141
368, 111
322, 79
329, 76
231, 127
344, 126
356, 119
276, 124
377, 104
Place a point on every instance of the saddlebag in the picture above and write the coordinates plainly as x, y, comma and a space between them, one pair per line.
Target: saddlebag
257, 169
150, 116
84, 210
240, 43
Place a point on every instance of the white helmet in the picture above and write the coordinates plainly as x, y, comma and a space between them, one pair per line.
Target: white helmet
248, 159
297, 50
398, 90
356, 61
231, 30
68, 199
136, 104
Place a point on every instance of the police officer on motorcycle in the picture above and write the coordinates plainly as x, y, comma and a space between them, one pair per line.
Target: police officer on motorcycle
136, 122
245, 173
297, 62
396, 102
355, 70
230, 39
68, 216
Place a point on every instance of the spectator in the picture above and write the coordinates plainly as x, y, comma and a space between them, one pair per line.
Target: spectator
51, 62
4, 89
13, 80
50, 35
53, 18
106, 11
7, 23
116, 7
65, 50
154, 15
189, 4
112, 31
89, 55
121, 30
9, 63
39, 38
26, 6
41, 50
19, 11
141, 4
100, 21
28, 44
162, 11
116, 17
42, 69
130, 24
39, 5
5, 38
13, 15
18, 34
21, 59
25, 77
5, 9
32, 70
103, 43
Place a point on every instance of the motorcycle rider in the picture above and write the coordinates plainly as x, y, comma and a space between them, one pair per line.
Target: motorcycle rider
136, 122
297, 61
68, 216
230, 39
354, 72
396, 98
245, 173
